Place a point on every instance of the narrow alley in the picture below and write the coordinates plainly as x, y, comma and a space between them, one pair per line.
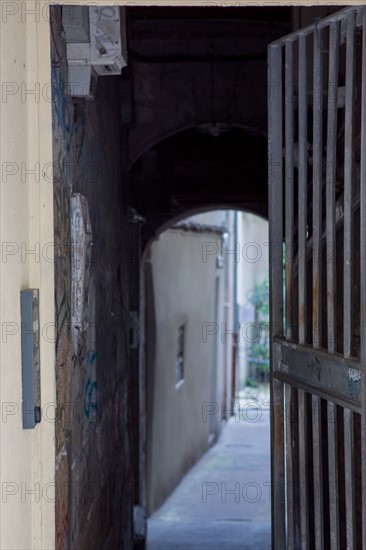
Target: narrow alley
183, 223
224, 501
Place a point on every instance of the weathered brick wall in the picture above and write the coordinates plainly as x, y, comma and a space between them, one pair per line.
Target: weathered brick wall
93, 508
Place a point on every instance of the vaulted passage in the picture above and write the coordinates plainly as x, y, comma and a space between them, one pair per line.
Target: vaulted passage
182, 130
177, 132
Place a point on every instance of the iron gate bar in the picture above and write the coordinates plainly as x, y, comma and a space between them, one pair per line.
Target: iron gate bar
339, 219
349, 188
333, 475
302, 223
317, 186
318, 472
278, 510
330, 184
317, 277
363, 276
324, 23
349, 479
331, 158
303, 467
291, 422
289, 182
348, 278
302, 185
306, 370
301, 385
330, 376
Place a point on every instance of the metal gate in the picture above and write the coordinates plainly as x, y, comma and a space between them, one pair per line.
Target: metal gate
317, 213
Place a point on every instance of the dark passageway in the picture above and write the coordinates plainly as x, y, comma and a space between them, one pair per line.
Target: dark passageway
118, 121
183, 128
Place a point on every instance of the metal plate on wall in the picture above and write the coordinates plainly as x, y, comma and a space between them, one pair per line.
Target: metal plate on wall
31, 372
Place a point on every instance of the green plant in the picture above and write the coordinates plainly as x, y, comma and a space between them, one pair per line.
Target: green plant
259, 298
252, 382
258, 349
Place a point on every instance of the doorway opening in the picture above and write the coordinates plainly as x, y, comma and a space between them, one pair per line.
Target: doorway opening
182, 130
206, 360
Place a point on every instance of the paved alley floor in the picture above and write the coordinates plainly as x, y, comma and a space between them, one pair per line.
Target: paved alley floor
224, 500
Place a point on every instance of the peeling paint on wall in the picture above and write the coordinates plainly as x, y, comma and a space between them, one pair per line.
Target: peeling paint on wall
81, 244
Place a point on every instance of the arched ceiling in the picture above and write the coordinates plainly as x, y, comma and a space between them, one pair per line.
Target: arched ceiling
195, 114
198, 168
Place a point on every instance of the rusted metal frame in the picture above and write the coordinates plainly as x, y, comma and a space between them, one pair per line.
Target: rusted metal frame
302, 185
329, 376
278, 510
289, 182
363, 275
348, 273
331, 153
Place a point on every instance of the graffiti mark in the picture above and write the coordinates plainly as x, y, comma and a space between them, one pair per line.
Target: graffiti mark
354, 382
90, 391
62, 126
62, 266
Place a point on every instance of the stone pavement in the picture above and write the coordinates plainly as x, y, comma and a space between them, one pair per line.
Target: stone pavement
224, 500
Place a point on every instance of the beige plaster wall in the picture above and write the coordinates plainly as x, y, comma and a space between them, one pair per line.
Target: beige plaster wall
26, 223
183, 288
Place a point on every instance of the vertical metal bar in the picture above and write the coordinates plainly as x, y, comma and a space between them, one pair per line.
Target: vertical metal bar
317, 278
289, 239
333, 476
302, 314
303, 164
276, 290
349, 479
289, 178
318, 473
290, 478
303, 471
348, 187
317, 186
331, 184
349, 272
363, 274
334, 33
278, 466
